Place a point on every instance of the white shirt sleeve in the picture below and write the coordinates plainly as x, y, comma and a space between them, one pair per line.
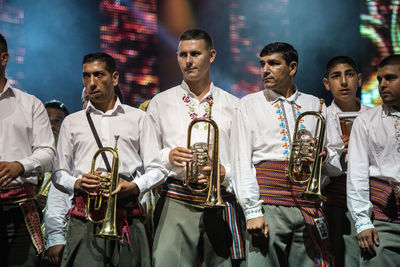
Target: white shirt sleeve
155, 173
62, 175
43, 153
334, 147
54, 217
358, 196
244, 179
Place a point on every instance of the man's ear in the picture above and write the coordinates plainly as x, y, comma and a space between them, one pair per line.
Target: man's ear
4, 57
293, 68
115, 77
360, 78
213, 54
326, 84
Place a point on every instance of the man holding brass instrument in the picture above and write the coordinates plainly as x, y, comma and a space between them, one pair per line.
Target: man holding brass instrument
342, 79
373, 174
188, 233
285, 229
26, 152
104, 122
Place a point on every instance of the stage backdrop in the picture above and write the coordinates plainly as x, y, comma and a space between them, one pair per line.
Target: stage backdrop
48, 39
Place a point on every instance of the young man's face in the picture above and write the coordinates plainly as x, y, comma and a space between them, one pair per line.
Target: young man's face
389, 85
276, 74
99, 82
194, 59
56, 117
343, 81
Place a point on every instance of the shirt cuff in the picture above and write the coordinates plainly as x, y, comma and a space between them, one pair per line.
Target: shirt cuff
252, 213
364, 224
165, 158
55, 239
28, 166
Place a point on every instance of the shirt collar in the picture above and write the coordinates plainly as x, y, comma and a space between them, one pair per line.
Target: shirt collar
273, 96
338, 109
7, 87
389, 111
117, 107
186, 89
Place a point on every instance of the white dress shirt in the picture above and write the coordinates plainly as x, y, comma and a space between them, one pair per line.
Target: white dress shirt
332, 112
373, 152
137, 146
259, 133
26, 134
172, 111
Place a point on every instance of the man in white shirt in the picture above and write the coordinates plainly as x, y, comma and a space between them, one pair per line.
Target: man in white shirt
137, 146
188, 235
285, 229
373, 174
342, 79
26, 151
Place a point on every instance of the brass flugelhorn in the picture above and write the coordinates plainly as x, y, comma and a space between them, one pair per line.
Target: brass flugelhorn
201, 155
305, 148
107, 184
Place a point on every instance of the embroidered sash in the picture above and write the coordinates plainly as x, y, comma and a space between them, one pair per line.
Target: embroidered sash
276, 189
78, 210
175, 189
335, 192
25, 197
385, 200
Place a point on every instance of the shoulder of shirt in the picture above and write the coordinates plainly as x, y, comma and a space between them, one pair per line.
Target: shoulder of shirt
302, 96
21, 94
130, 109
371, 111
227, 94
164, 94
251, 96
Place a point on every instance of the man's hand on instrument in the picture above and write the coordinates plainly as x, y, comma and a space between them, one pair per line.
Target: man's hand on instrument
88, 183
9, 171
55, 254
367, 240
258, 227
345, 140
125, 189
179, 156
203, 178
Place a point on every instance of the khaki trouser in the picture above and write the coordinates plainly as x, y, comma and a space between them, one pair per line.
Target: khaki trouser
388, 251
289, 242
187, 236
83, 248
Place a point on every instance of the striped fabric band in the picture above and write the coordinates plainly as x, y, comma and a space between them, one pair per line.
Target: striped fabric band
335, 192
24, 196
385, 200
32, 222
276, 189
16, 194
175, 189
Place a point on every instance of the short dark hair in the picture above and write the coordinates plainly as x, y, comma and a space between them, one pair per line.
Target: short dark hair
389, 60
198, 34
103, 57
57, 104
288, 52
3, 44
340, 60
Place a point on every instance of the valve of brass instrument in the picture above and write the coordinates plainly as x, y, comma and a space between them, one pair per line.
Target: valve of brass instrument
200, 160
